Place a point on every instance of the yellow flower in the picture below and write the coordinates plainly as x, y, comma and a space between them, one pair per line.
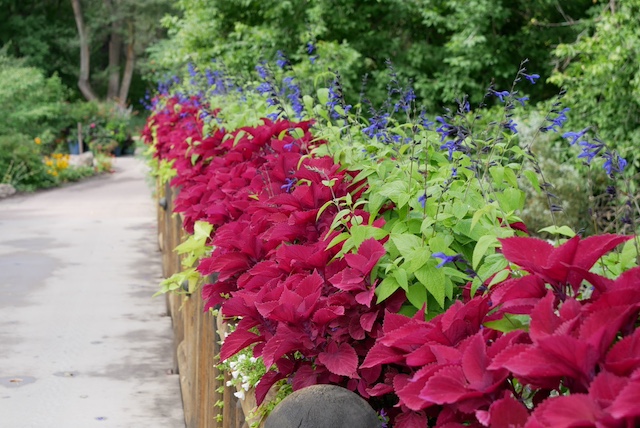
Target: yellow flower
37, 140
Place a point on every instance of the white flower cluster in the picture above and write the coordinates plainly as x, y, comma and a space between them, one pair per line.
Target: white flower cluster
241, 376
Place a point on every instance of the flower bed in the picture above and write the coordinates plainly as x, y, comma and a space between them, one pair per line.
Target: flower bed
387, 257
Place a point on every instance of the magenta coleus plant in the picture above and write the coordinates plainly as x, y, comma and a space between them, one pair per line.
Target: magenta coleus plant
553, 345
312, 318
574, 363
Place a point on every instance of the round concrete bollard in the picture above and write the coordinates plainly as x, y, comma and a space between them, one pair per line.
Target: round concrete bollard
323, 406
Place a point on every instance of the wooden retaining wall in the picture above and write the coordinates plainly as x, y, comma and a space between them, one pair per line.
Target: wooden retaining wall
196, 341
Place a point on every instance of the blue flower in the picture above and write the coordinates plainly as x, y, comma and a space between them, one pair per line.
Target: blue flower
264, 88
378, 127
262, 71
558, 122
405, 102
445, 129
423, 199
426, 123
446, 259
500, 94
295, 96
575, 136
282, 61
531, 77
288, 184
511, 125
590, 150
310, 48
521, 100
336, 98
614, 163
451, 146
192, 70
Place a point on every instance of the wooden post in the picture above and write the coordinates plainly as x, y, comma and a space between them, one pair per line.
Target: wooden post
80, 143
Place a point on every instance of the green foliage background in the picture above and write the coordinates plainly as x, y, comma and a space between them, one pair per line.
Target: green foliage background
446, 47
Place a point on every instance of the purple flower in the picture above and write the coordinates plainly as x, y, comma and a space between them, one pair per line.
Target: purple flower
446, 259
264, 88
531, 77
613, 163
336, 98
262, 71
384, 419
575, 136
378, 127
295, 96
288, 184
521, 100
558, 122
590, 150
500, 94
445, 129
310, 48
426, 123
452, 146
192, 70
423, 199
511, 125
282, 61
405, 102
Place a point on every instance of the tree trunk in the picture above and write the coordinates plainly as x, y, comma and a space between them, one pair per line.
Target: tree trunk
85, 67
115, 51
129, 65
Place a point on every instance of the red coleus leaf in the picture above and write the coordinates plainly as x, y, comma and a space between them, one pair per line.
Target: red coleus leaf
626, 403
518, 295
381, 354
411, 420
408, 390
506, 412
266, 382
348, 279
575, 410
236, 341
369, 253
226, 264
624, 356
475, 362
340, 359
606, 387
628, 279
446, 386
324, 316
284, 341
554, 264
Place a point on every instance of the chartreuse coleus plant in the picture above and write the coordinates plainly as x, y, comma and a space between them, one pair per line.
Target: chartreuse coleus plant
447, 190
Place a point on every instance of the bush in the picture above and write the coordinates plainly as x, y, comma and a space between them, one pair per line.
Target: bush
21, 164
30, 103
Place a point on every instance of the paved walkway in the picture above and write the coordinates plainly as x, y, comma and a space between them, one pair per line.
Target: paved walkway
82, 343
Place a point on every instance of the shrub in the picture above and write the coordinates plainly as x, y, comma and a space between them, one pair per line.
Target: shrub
30, 103
21, 164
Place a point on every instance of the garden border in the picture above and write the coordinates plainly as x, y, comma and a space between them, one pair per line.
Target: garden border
201, 384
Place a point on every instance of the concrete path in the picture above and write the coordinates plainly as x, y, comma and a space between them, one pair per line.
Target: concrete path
82, 343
